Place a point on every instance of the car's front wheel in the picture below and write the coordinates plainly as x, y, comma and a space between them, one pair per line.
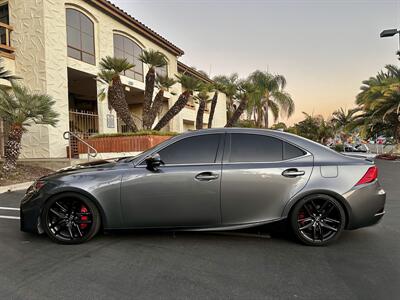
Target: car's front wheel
317, 220
70, 219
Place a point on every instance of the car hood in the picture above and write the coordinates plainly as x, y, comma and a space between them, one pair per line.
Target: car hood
96, 165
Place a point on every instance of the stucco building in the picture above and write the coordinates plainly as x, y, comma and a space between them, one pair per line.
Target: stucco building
56, 47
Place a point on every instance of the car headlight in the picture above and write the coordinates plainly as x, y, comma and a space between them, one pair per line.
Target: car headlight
35, 187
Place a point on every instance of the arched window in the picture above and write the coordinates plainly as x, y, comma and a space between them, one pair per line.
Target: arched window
126, 48
80, 36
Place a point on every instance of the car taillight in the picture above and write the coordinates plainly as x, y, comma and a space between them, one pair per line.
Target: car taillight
369, 176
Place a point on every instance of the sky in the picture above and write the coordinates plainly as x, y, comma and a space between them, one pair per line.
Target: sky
325, 49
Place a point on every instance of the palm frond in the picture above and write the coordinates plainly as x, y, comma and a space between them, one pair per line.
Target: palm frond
153, 58
274, 108
19, 106
165, 82
115, 64
189, 83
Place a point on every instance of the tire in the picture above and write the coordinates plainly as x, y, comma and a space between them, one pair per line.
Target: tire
317, 220
70, 218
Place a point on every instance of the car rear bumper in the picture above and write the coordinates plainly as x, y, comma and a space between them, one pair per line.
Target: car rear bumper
367, 205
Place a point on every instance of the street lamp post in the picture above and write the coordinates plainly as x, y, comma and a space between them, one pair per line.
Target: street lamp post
390, 33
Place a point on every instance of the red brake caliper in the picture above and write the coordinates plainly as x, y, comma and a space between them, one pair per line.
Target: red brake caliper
83, 217
301, 216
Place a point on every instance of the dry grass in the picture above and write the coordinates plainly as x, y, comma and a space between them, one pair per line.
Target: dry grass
23, 173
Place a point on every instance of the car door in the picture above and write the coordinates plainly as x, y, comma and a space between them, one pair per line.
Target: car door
185, 192
260, 174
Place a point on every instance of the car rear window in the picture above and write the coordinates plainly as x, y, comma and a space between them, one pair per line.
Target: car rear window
261, 148
290, 151
255, 148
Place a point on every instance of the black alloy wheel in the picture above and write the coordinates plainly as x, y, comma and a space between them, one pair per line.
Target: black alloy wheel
317, 220
70, 219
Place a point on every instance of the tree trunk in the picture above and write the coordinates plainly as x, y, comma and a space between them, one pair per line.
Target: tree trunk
200, 114
154, 110
116, 98
174, 110
266, 113
12, 148
238, 112
212, 109
396, 149
258, 116
148, 97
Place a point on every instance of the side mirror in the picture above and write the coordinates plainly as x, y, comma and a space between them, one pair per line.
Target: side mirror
154, 162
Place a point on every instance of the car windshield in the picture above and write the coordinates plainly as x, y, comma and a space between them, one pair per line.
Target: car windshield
132, 158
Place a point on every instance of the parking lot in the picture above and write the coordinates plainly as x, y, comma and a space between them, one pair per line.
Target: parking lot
363, 264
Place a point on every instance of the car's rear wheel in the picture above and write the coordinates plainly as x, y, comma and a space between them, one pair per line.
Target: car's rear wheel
317, 220
70, 219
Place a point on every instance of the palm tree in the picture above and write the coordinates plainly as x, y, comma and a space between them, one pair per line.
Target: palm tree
270, 96
245, 89
217, 87
379, 100
343, 119
314, 128
19, 108
154, 59
5, 74
110, 74
163, 83
189, 85
229, 86
202, 97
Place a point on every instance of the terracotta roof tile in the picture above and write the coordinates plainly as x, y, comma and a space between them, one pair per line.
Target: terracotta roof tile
118, 12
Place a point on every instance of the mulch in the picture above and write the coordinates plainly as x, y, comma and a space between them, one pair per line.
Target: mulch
23, 173
388, 157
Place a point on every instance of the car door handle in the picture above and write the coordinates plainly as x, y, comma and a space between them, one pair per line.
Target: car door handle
206, 176
293, 173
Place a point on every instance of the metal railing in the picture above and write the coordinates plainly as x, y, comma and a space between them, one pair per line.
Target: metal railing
91, 151
6, 50
86, 122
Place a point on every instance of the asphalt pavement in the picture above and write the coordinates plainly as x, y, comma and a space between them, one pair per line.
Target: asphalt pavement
363, 264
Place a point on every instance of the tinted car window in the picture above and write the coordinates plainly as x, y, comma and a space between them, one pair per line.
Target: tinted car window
255, 148
290, 151
197, 149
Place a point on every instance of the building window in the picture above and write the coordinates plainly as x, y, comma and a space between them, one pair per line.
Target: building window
4, 19
4, 14
80, 36
126, 48
162, 71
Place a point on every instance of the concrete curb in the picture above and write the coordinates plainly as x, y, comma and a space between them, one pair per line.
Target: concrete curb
15, 187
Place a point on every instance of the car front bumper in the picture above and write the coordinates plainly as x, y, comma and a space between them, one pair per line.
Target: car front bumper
367, 205
30, 211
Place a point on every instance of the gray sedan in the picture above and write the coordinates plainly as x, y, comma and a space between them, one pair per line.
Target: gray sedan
215, 179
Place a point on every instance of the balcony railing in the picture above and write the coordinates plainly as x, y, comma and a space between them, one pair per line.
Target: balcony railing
6, 50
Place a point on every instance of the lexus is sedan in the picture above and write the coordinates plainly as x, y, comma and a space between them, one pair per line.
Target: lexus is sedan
213, 179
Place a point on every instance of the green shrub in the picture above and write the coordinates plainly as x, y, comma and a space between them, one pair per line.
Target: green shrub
338, 147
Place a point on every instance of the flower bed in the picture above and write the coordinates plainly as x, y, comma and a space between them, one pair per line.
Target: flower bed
123, 143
